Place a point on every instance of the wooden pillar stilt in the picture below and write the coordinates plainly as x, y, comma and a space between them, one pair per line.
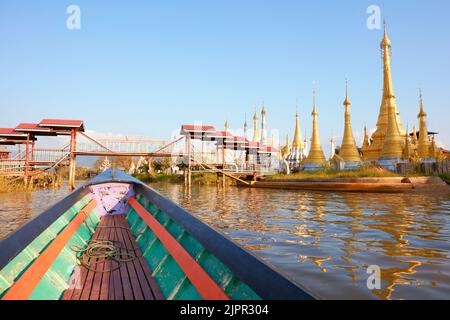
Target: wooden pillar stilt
188, 178
151, 170
72, 159
26, 169
32, 150
223, 163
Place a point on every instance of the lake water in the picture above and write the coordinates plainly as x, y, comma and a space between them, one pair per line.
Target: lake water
324, 241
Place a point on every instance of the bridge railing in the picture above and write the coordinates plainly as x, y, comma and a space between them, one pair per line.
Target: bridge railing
49, 155
11, 166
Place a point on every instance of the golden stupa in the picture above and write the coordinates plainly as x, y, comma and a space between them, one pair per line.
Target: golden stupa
407, 151
349, 151
393, 142
255, 126
315, 155
287, 148
297, 143
414, 136
423, 145
373, 152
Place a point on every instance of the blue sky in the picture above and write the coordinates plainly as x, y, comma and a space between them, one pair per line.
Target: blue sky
146, 67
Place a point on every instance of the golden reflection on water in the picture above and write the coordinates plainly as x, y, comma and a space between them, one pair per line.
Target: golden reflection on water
326, 241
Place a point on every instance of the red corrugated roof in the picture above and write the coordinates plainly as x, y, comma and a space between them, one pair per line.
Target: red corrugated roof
252, 145
30, 127
236, 139
10, 132
62, 123
268, 149
197, 128
220, 134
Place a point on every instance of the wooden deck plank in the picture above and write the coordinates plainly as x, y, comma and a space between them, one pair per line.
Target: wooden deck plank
144, 270
125, 277
117, 292
75, 293
106, 285
88, 286
133, 281
141, 275
98, 276
129, 266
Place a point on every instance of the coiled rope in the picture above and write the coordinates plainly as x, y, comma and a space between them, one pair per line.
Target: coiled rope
100, 251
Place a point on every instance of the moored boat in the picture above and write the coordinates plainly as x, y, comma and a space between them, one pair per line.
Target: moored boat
115, 238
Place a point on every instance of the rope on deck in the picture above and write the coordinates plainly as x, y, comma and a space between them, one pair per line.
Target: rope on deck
100, 251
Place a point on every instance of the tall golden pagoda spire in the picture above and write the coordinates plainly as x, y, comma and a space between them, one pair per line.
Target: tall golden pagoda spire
298, 141
374, 151
423, 146
287, 148
225, 126
393, 143
315, 155
348, 152
255, 126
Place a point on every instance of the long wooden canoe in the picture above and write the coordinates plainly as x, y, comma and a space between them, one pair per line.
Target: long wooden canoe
117, 239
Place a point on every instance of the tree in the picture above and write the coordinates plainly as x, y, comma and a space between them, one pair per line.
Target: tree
162, 164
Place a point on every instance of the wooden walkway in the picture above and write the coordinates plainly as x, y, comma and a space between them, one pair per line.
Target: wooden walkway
132, 281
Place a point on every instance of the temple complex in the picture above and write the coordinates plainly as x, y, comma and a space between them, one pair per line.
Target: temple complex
388, 146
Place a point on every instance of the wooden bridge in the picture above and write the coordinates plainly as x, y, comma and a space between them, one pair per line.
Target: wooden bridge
233, 156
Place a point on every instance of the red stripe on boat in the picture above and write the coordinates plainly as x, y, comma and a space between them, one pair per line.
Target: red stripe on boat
24, 286
205, 285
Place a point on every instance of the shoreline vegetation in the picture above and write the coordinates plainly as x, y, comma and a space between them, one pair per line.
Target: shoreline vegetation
202, 178
44, 180
54, 179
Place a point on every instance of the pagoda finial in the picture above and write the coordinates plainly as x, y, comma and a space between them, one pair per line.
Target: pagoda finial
347, 100
386, 42
226, 125
314, 110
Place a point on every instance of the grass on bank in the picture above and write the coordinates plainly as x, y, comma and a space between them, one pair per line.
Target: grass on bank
17, 184
445, 177
330, 173
202, 178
